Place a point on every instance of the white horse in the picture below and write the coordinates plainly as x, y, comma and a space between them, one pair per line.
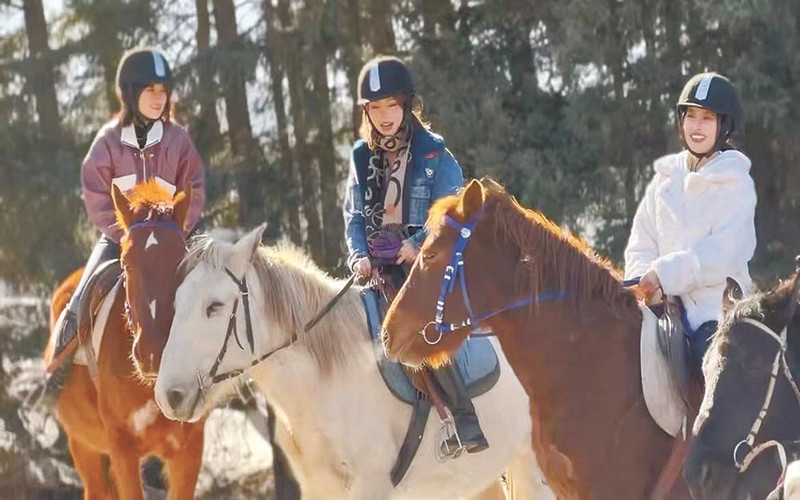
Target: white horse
342, 428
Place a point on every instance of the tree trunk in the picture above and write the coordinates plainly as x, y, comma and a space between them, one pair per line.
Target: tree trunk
353, 58
332, 223
240, 133
287, 161
42, 78
766, 178
207, 129
232, 79
381, 30
293, 57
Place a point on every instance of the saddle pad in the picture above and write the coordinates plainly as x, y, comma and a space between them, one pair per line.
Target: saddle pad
476, 359
661, 393
99, 327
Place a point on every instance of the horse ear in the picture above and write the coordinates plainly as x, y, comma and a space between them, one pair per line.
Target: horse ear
791, 300
796, 286
244, 249
180, 207
488, 182
732, 293
472, 199
121, 208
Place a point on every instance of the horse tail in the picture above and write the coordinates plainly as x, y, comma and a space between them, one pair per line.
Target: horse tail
58, 301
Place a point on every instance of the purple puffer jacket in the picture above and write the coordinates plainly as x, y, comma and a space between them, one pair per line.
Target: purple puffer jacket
169, 156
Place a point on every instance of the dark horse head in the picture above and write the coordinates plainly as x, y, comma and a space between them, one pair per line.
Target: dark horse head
745, 354
152, 247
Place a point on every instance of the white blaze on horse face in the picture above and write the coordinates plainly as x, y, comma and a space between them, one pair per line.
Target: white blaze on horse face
153, 309
151, 241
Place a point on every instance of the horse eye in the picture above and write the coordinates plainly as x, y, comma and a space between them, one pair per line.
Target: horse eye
428, 255
213, 308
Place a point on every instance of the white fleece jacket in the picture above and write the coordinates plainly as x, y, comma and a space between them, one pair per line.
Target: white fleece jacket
695, 229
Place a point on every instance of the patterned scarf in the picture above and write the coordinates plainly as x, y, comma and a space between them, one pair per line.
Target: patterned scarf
385, 176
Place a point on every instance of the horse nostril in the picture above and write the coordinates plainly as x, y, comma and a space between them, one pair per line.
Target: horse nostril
174, 398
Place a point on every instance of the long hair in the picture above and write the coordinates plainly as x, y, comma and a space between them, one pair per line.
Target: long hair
412, 110
128, 100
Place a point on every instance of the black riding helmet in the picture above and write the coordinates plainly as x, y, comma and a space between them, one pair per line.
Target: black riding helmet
138, 69
715, 93
384, 76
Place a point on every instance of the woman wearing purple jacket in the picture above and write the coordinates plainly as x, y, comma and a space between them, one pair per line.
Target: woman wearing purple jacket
141, 143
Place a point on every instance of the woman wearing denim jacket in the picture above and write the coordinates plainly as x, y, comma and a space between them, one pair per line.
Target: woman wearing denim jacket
397, 170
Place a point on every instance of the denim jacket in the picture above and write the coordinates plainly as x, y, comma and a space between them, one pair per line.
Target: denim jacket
432, 173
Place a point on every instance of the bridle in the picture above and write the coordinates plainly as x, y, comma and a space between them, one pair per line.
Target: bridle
145, 224
232, 331
778, 363
455, 272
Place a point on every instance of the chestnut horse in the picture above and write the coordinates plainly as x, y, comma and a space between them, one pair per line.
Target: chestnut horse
751, 371
567, 326
114, 415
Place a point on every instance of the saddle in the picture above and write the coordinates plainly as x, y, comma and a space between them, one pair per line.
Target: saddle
665, 366
476, 361
105, 278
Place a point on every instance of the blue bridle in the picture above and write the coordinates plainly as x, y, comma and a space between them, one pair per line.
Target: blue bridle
154, 224
455, 272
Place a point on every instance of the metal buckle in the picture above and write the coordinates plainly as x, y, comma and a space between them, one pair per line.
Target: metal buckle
425, 335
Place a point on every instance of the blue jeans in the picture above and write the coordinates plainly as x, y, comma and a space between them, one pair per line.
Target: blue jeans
104, 250
698, 345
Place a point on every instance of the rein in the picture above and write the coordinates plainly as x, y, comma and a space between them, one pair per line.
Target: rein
780, 362
455, 271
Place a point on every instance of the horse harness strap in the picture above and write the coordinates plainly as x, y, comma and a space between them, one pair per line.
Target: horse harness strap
455, 272
232, 330
331, 303
780, 362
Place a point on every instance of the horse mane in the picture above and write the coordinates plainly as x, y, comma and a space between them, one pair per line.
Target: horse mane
150, 195
758, 306
295, 289
551, 258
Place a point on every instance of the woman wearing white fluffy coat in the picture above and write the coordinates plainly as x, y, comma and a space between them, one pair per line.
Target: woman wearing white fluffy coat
695, 225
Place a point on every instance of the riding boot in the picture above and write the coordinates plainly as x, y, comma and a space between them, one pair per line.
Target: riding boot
55, 382
468, 427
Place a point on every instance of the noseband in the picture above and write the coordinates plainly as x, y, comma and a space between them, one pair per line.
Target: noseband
780, 362
455, 271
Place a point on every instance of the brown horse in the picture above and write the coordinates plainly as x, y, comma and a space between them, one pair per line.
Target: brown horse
114, 415
569, 329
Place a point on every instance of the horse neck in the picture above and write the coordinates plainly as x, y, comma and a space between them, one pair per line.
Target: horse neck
117, 345
584, 364
292, 296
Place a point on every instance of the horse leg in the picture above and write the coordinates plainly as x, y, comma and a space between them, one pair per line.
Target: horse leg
494, 491
92, 467
126, 469
525, 478
183, 469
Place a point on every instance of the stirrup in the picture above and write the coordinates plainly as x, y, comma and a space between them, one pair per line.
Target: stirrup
447, 432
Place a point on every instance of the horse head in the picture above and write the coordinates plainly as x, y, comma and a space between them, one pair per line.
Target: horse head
152, 247
749, 400
220, 297
410, 329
